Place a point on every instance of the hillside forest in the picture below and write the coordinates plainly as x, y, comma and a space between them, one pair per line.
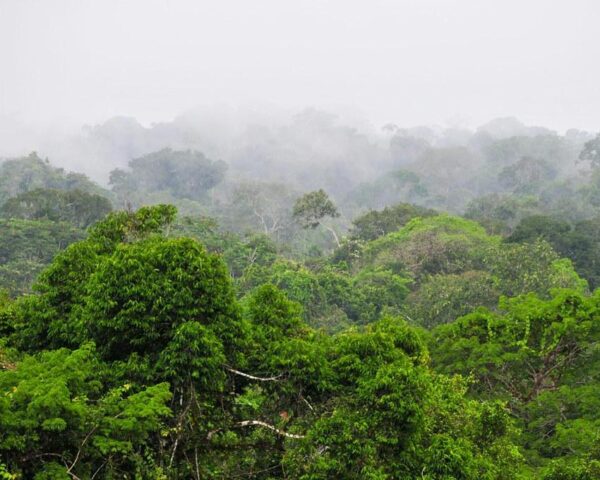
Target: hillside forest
305, 299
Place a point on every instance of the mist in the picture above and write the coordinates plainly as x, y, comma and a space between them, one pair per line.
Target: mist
69, 63
430, 102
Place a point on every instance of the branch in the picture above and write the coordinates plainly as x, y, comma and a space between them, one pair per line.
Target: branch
332, 231
87, 437
258, 423
307, 402
252, 377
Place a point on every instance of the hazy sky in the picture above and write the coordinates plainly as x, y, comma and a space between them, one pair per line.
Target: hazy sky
402, 61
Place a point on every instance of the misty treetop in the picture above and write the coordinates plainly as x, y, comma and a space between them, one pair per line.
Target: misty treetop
21, 175
182, 174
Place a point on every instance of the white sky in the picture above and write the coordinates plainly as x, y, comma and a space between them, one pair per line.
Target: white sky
402, 61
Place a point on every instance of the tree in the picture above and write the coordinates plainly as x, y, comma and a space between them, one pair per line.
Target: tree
149, 295
405, 149
27, 247
51, 318
185, 174
391, 418
20, 175
80, 208
311, 208
61, 418
391, 188
444, 298
500, 213
591, 152
539, 355
534, 227
432, 245
260, 207
527, 175
375, 224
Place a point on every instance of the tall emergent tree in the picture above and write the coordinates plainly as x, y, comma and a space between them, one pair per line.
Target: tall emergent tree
311, 208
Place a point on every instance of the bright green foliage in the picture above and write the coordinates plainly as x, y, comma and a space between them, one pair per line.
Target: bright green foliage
456, 266
380, 291
77, 207
440, 244
254, 391
58, 415
542, 357
151, 293
332, 298
281, 342
523, 351
390, 417
126, 226
53, 319
578, 469
531, 267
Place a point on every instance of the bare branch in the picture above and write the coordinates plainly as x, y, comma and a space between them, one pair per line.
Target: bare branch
252, 377
259, 423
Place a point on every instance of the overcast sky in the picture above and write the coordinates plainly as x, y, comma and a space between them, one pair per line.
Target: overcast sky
402, 61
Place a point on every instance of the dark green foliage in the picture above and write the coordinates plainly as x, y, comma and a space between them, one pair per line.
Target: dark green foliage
499, 214
578, 242
375, 224
182, 174
540, 226
27, 246
312, 207
77, 207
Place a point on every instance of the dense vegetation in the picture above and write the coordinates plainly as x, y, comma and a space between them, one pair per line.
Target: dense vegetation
438, 321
